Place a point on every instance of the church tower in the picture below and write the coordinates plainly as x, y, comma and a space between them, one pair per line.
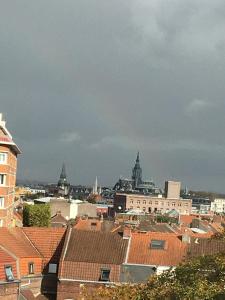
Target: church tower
137, 173
63, 185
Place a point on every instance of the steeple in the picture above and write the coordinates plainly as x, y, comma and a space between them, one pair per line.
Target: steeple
63, 172
137, 173
62, 183
95, 187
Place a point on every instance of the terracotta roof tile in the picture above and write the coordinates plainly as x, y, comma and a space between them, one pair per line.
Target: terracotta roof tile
48, 241
95, 247
6, 259
15, 241
140, 251
200, 246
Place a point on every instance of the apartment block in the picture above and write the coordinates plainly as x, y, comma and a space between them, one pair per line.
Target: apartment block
8, 168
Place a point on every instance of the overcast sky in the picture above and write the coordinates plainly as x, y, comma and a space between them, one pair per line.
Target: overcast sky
91, 82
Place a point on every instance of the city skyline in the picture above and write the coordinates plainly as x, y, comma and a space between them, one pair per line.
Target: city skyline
90, 84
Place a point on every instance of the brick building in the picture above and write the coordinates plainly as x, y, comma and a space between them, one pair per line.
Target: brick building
8, 167
154, 204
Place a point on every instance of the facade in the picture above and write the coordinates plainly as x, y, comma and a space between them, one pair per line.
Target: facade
72, 209
218, 206
8, 168
91, 259
148, 204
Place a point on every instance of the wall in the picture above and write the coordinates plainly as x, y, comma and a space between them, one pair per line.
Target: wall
8, 191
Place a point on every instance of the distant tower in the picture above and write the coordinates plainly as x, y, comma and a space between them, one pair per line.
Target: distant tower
137, 173
63, 185
95, 187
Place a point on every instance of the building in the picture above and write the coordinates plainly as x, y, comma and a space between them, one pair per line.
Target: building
124, 202
8, 168
218, 206
72, 208
91, 259
29, 259
136, 183
63, 184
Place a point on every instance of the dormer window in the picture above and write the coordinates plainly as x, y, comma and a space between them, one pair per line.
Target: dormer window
9, 273
104, 276
157, 244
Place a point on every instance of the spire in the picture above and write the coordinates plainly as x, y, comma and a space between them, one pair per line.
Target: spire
63, 172
137, 159
137, 173
95, 187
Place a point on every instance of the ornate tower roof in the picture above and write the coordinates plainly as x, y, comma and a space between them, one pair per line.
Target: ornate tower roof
63, 177
137, 172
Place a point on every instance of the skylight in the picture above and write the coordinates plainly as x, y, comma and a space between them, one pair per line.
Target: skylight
157, 244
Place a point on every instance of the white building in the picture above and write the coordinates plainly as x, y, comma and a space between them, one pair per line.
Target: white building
218, 205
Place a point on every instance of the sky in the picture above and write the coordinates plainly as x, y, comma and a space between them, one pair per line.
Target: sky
91, 82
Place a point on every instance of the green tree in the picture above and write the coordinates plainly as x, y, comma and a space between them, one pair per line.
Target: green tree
202, 278
36, 215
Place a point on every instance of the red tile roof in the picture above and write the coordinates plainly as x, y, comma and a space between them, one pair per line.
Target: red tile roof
6, 259
141, 253
95, 246
48, 241
199, 247
15, 241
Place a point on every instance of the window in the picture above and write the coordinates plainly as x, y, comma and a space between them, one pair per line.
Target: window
144, 201
157, 244
9, 273
3, 157
131, 202
104, 274
138, 201
31, 268
1, 222
1, 202
52, 268
2, 179
144, 208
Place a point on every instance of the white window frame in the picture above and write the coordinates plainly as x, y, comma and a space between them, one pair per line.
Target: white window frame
4, 179
2, 202
5, 154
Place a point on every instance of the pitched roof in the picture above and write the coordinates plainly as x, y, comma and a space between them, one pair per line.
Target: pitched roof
140, 251
95, 247
201, 246
15, 241
48, 241
6, 259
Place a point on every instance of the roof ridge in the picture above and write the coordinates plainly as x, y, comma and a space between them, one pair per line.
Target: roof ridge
32, 244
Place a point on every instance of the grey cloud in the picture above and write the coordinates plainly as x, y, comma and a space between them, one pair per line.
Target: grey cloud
92, 82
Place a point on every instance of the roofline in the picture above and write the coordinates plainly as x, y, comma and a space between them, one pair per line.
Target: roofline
86, 281
14, 146
64, 250
16, 259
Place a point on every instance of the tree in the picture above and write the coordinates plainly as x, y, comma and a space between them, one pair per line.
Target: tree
36, 215
202, 278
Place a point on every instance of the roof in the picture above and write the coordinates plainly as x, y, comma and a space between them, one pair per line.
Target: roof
140, 252
187, 219
15, 241
48, 241
5, 136
6, 259
199, 247
58, 218
95, 247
